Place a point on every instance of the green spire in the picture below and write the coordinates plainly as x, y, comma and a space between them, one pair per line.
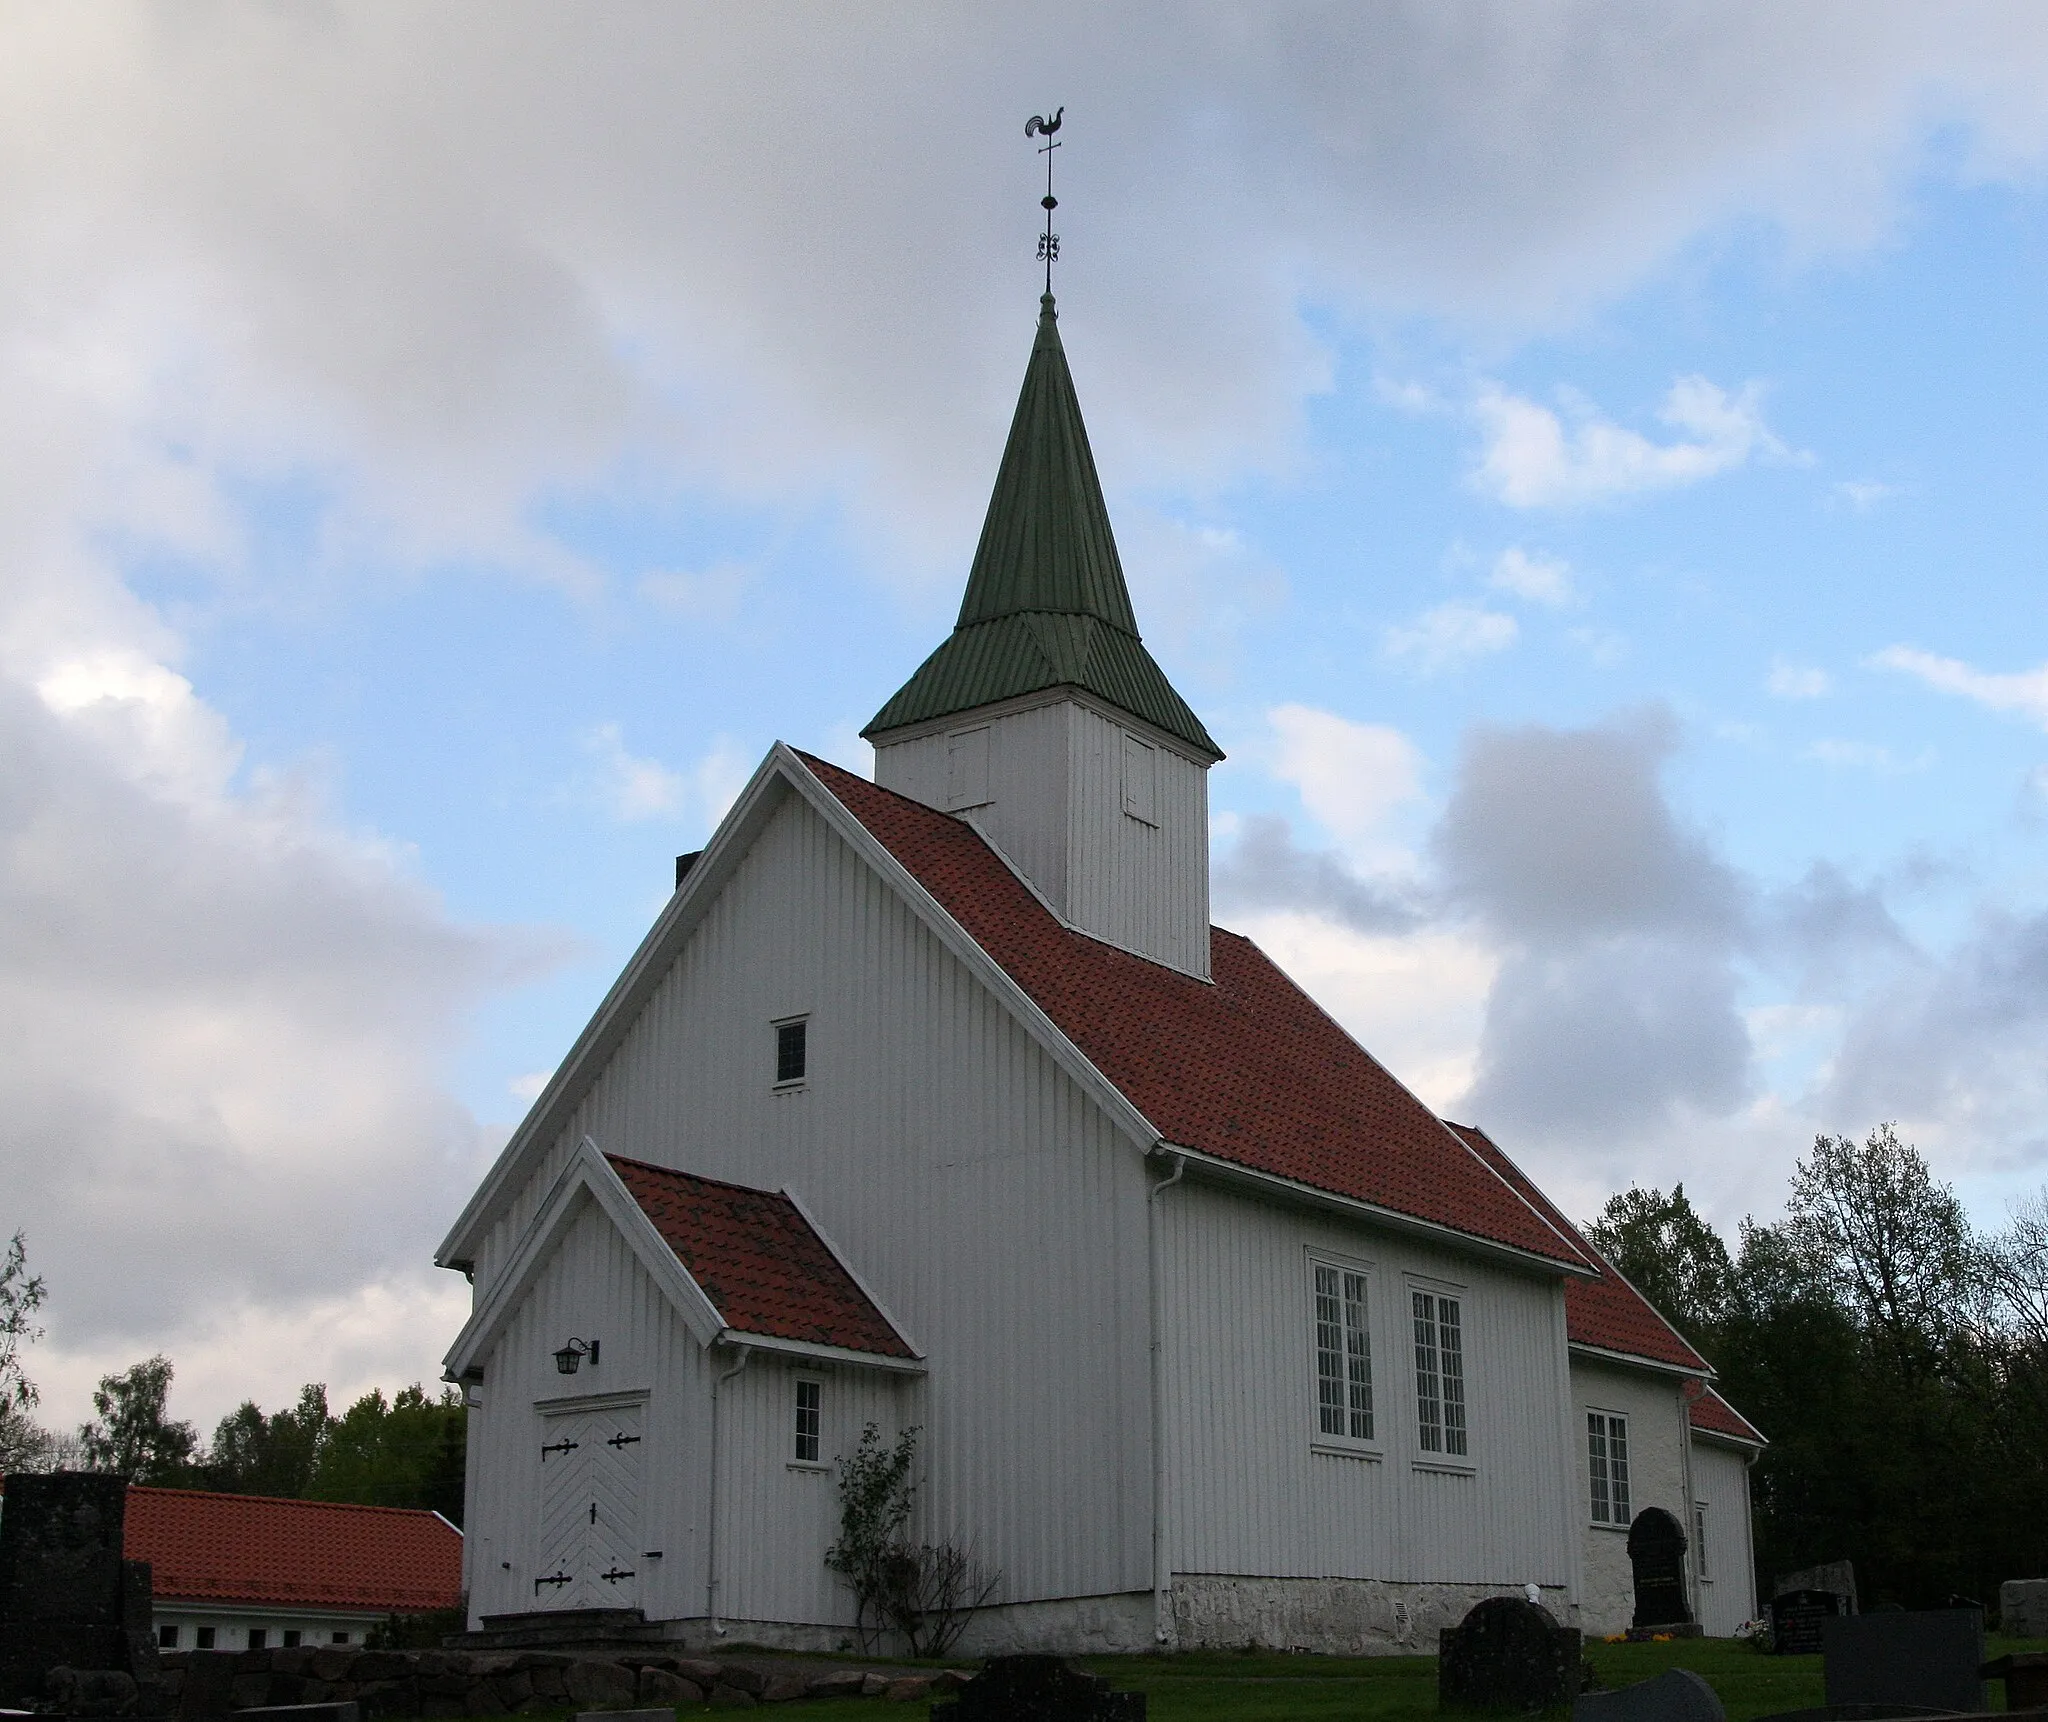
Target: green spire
1046, 603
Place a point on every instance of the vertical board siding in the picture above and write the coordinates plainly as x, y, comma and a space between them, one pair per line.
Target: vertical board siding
1250, 1491
1728, 1596
1142, 886
592, 1287
996, 1212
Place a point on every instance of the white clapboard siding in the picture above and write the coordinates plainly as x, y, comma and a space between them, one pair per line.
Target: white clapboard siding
1656, 1455
1055, 805
1250, 1493
592, 1287
991, 1205
1727, 1595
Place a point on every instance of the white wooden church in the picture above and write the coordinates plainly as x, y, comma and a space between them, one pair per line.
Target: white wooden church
937, 1101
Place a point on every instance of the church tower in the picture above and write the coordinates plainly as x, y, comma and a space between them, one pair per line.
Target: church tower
1044, 721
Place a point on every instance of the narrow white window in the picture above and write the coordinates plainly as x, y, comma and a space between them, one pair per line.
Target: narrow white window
1607, 1467
967, 768
1343, 1355
810, 1402
1439, 1375
1141, 779
1699, 1540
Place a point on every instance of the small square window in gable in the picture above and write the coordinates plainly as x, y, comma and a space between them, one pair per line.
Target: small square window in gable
792, 1051
967, 768
1141, 780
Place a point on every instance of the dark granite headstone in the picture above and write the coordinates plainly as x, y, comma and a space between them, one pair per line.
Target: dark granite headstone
1926, 1656
1507, 1654
1656, 1558
1798, 1616
67, 1597
1038, 1689
1676, 1695
1836, 1576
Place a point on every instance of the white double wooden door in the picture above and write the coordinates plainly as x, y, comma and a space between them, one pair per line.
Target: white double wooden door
590, 1487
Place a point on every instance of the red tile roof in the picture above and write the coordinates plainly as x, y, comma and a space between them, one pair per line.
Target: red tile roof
758, 1260
255, 1549
1715, 1416
1606, 1312
1248, 1069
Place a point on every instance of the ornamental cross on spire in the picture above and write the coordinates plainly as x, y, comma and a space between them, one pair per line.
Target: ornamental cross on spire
1048, 241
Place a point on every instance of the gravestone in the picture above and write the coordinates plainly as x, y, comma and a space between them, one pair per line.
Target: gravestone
1838, 1577
1038, 1689
2023, 1608
1924, 1657
1797, 1617
1676, 1695
208, 1690
68, 1598
1656, 1558
2025, 1673
1507, 1654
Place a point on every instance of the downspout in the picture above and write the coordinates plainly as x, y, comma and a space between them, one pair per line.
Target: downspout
1162, 1554
1690, 1392
711, 1534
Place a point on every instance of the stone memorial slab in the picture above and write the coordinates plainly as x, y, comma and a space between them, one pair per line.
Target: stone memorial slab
1798, 1616
1836, 1576
1038, 1689
1676, 1695
1507, 1654
348, 1711
2025, 1673
2023, 1608
1926, 1657
666, 1715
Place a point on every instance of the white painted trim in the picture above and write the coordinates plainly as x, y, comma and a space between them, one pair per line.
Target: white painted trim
587, 1174
811, 1348
1308, 1195
1629, 1360
853, 1273
568, 1404
974, 717
1721, 1438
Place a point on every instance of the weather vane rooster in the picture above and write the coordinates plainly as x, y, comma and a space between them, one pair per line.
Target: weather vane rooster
1048, 241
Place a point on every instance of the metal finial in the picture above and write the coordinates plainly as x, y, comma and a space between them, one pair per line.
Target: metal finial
1048, 241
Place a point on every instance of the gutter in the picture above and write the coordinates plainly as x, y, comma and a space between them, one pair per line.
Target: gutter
1162, 1553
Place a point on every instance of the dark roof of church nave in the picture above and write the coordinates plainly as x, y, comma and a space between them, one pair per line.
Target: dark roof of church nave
759, 1262
1046, 603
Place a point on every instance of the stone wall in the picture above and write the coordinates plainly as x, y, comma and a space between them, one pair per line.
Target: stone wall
1340, 1617
448, 1683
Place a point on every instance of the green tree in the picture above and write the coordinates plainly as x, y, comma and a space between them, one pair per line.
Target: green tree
1671, 1255
407, 1452
133, 1433
276, 1455
21, 1295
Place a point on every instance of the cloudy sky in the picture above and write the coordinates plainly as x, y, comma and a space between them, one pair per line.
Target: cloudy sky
1584, 461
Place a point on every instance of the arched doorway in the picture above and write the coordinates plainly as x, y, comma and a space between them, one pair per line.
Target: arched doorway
1656, 1556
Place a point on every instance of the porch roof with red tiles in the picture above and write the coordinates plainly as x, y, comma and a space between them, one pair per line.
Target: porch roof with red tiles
759, 1261
1713, 1415
1245, 1068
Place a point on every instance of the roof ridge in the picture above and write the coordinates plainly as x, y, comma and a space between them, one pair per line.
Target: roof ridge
695, 1177
286, 1501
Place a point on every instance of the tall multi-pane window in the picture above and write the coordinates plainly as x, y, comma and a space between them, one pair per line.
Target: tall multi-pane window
1439, 1374
1343, 1355
1607, 1463
810, 1399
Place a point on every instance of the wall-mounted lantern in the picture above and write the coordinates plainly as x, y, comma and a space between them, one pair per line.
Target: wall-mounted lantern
571, 1356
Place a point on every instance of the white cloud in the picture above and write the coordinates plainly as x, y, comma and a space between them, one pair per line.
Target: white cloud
1791, 681
1450, 634
707, 594
1532, 459
2023, 691
631, 787
528, 1087
1866, 756
1350, 776
1864, 494
1539, 578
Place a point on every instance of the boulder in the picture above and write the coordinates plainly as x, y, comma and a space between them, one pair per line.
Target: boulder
594, 1685
91, 1691
836, 1683
659, 1686
909, 1689
731, 1698
783, 1688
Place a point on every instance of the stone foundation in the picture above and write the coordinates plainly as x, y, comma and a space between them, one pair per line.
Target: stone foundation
1336, 1616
